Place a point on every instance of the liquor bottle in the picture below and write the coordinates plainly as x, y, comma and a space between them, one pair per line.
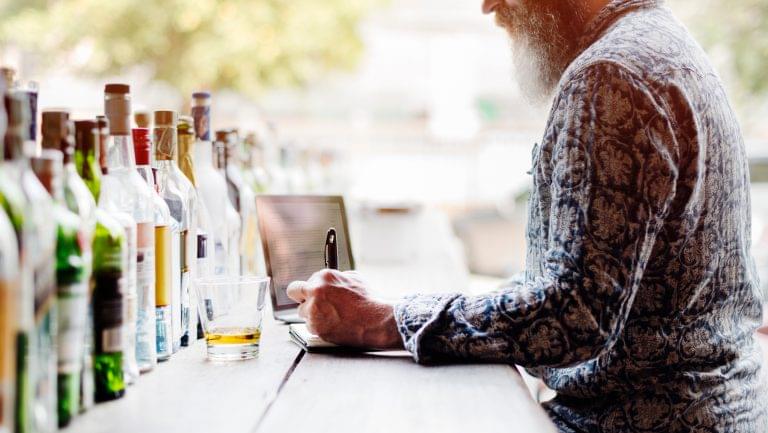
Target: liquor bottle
9, 286
71, 282
212, 185
186, 162
87, 154
251, 260
181, 197
131, 195
111, 255
234, 221
36, 362
163, 258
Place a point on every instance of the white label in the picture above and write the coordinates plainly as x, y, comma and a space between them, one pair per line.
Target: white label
73, 313
112, 340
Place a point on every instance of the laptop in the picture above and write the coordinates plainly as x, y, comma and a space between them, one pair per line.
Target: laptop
293, 229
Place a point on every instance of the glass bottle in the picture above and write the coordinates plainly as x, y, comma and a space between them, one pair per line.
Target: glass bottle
71, 282
36, 366
162, 302
87, 153
234, 222
244, 198
10, 284
212, 186
181, 197
110, 260
132, 195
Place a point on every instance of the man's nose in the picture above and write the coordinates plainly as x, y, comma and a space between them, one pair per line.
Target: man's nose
490, 5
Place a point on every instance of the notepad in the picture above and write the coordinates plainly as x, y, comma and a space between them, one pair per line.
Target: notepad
310, 342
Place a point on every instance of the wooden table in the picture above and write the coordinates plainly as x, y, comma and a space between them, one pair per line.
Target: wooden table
287, 390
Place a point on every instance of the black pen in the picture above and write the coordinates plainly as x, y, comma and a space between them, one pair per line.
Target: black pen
331, 250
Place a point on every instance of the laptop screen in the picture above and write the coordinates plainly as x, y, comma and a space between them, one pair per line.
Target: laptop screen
293, 230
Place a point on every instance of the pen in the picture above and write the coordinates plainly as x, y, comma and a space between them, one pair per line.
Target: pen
331, 250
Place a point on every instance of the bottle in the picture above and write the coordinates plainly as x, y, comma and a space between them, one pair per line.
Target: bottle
87, 157
186, 162
181, 197
212, 186
9, 285
163, 222
234, 221
255, 172
244, 198
131, 195
71, 282
111, 253
36, 362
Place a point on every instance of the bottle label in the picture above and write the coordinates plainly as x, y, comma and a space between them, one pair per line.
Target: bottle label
145, 290
176, 290
163, 266
72, 316
220, 258
7, 360
112, 340
163, 332
186, 250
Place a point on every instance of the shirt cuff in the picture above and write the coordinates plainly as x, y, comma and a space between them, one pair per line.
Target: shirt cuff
419, 316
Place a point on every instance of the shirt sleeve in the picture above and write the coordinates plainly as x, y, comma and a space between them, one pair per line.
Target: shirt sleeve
608, 170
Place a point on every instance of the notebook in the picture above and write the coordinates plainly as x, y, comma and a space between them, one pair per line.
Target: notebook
313, 344
308, 341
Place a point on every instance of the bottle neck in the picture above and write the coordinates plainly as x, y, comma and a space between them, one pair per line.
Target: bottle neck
120, 153
203, 153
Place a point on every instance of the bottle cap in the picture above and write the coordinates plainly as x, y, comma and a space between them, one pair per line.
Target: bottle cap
201, 112
142, 145
142, 119
165, 118
8, 75
165, 135
17, 118
56, 132
186, 126
102, 123
87, 136
117, 107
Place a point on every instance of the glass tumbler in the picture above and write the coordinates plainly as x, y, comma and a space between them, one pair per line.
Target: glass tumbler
231, 311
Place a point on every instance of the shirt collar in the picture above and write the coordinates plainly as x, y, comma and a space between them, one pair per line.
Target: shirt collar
614, 10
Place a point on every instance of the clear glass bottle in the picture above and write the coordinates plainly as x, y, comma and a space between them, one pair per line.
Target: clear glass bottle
36, 373
244, 198
212, 186
163, 222
181, 197
71, 282
234, 221
132, 195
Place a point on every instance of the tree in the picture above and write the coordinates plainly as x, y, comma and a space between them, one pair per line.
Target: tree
244, 45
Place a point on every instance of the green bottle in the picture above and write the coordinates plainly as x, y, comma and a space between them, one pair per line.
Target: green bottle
110, 255
71, 284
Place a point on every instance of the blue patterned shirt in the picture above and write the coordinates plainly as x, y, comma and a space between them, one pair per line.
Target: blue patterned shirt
640, 298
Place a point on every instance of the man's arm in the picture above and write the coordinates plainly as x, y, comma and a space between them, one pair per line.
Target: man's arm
613, 174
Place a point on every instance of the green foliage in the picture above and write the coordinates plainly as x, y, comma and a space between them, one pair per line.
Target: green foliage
738, 31
246, 45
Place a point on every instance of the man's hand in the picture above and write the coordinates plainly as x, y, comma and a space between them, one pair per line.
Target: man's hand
339, 310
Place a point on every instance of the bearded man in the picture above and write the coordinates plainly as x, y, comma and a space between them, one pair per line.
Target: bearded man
640, 299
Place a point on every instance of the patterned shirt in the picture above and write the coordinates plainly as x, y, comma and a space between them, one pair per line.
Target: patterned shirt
640, 298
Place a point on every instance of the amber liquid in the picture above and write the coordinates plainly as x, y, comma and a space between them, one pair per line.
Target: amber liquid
225, 336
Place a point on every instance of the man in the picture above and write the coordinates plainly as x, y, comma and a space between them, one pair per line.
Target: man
639, 300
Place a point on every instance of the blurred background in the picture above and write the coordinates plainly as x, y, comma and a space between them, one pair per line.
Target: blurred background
407, 107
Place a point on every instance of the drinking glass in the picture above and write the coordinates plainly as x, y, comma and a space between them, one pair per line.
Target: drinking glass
231, 311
